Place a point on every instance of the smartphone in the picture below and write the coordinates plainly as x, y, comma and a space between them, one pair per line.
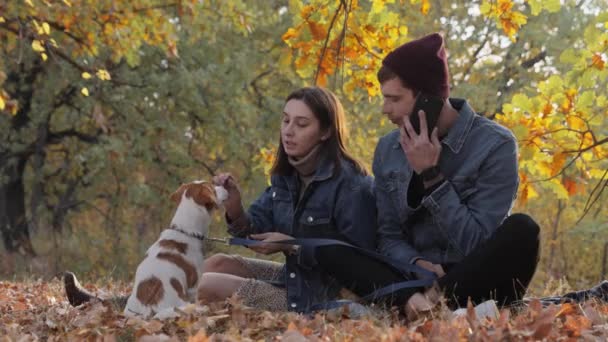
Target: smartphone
431, 105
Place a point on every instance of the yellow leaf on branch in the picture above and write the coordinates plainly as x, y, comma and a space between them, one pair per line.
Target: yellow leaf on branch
502, 11
576, 123
86, 75
103, 75
559, 160
46, 28
597, 61
317, 30
84, 91
2, 103
37, 46
291, 33
306, 11
425, 7
570, 185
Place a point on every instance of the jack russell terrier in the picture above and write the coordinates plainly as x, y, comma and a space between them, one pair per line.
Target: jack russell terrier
169, 274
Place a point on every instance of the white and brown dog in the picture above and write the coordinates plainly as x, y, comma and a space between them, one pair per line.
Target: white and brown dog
169, 274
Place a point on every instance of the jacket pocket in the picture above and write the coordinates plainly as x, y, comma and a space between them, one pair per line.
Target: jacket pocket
317, 223
465, 187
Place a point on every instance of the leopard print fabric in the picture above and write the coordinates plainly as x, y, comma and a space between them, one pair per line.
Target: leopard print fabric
256, 292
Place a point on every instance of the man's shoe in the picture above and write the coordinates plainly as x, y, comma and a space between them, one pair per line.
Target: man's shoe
487, 309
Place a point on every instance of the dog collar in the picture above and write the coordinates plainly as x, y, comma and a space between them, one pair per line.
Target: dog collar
194, 235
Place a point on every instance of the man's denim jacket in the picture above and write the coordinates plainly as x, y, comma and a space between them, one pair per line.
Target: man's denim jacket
479, 162
335, 206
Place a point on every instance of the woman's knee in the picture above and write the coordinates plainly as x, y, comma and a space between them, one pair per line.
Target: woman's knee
215, 287
219, 263
207, 288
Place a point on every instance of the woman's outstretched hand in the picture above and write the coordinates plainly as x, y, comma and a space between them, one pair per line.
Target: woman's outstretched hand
268, 247
233, 204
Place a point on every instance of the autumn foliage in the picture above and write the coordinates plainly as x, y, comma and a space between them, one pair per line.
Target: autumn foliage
39, 311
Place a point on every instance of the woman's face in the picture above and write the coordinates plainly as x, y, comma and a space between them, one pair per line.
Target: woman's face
300, 129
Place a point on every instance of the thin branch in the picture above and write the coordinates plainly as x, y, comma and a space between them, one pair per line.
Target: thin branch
60, 28
198, 161
342, 41
366, 48
475, 57
598, 143
256, 90
331, 25
589, 204
563, 168
58, 136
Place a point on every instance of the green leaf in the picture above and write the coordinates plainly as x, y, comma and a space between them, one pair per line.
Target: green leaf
520, 131
569, 56
552, 5
522, 102
602, 17
485, 8
536, 6
600, 101
585, 101
553, 85
592, 35
587, 80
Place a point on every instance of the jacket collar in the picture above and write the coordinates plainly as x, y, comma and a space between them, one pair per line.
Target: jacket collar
458, 134
325, 169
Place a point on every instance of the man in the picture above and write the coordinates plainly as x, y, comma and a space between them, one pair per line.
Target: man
443, 199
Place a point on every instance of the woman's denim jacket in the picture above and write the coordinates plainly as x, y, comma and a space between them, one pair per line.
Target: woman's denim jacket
336, 206
479, 162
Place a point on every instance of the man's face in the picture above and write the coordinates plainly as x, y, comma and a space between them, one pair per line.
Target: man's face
398, 101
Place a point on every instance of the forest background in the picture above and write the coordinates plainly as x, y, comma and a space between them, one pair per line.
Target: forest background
107, 106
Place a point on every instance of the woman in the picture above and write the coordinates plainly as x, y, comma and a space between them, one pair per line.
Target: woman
318, 190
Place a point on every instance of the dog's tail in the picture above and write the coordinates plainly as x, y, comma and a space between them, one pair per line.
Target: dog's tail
76, 294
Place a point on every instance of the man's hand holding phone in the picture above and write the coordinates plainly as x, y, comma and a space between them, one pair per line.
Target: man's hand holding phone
421, 151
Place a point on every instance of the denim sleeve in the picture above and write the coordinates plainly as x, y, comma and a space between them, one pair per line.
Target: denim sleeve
468, 224
355, 212
258, 218
392, 240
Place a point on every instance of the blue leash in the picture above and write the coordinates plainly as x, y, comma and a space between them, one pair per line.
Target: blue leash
427, 280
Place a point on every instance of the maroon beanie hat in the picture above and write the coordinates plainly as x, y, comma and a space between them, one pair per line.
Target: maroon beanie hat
422, 64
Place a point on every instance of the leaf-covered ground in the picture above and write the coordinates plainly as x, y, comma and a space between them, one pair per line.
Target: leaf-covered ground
37, 310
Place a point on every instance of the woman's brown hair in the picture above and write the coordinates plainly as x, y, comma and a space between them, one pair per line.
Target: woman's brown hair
329, 111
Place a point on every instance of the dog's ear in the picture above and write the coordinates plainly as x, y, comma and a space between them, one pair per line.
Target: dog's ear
204, 195
177, 195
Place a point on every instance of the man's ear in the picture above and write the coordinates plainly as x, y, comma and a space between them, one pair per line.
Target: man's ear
177, 195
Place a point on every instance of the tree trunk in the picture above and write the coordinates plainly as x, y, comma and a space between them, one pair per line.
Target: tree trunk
604, 261
553, 269
13, 219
